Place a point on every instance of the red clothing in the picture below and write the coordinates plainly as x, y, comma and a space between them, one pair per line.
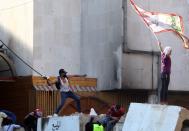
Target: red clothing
112, 112
165, 64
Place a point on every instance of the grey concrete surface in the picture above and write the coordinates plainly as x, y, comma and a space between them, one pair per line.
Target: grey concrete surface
101, 41
153, 117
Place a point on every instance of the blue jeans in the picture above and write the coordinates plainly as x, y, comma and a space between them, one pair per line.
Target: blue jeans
64, 96
108, 122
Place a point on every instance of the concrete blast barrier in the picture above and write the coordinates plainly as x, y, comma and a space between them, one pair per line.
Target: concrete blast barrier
66, 123
154, 117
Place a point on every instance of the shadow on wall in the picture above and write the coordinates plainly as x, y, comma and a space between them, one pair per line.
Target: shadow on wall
19, 47
6, 66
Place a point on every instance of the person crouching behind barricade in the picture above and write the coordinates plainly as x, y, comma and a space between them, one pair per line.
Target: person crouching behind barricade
30, 121
93, 124
112, 116
9, 125
2, 116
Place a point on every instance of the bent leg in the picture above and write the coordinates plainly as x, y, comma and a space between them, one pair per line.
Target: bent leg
63, 98
77, 100
110, 125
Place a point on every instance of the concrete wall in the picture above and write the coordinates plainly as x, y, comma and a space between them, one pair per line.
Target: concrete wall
139, 72
85, 36
82, 36
57, 36
137, 69
16, 31
101, 41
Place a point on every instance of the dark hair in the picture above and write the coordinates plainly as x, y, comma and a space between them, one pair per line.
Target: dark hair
62, 71
7, 121
118, 106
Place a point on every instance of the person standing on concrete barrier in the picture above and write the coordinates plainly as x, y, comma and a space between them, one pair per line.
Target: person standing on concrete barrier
9, 123
165, 73
10, 115
62, 84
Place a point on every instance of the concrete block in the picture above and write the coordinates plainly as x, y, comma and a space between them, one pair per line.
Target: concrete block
119, 124
118, 127
153, 117
59, 124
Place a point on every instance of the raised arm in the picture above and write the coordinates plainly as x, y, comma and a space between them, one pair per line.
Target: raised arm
69, 76
84, 75
160, 47
49, 82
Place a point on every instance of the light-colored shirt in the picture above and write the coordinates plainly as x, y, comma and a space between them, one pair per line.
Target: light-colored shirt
64, 86
2, 116
10, 127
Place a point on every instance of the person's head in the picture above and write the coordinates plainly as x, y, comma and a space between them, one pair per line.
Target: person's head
167, 50
38, 112
62, 73
117, 107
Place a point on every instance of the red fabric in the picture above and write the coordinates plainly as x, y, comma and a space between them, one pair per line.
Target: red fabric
145, 15
112, 112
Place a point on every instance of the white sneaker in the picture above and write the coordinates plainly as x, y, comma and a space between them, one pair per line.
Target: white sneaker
55, 115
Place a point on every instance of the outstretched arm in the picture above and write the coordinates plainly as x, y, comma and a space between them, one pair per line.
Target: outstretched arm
69, 76
160, 47
49, 82
84, 75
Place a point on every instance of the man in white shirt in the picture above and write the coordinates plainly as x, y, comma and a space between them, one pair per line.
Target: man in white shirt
63, 83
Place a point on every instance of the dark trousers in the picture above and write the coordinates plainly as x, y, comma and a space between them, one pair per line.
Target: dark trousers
108, 122
30, 123
163, 91
64, 96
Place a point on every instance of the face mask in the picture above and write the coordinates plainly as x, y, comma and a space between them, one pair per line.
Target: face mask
64, 75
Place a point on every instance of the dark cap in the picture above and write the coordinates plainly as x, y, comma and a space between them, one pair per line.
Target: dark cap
62, 71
